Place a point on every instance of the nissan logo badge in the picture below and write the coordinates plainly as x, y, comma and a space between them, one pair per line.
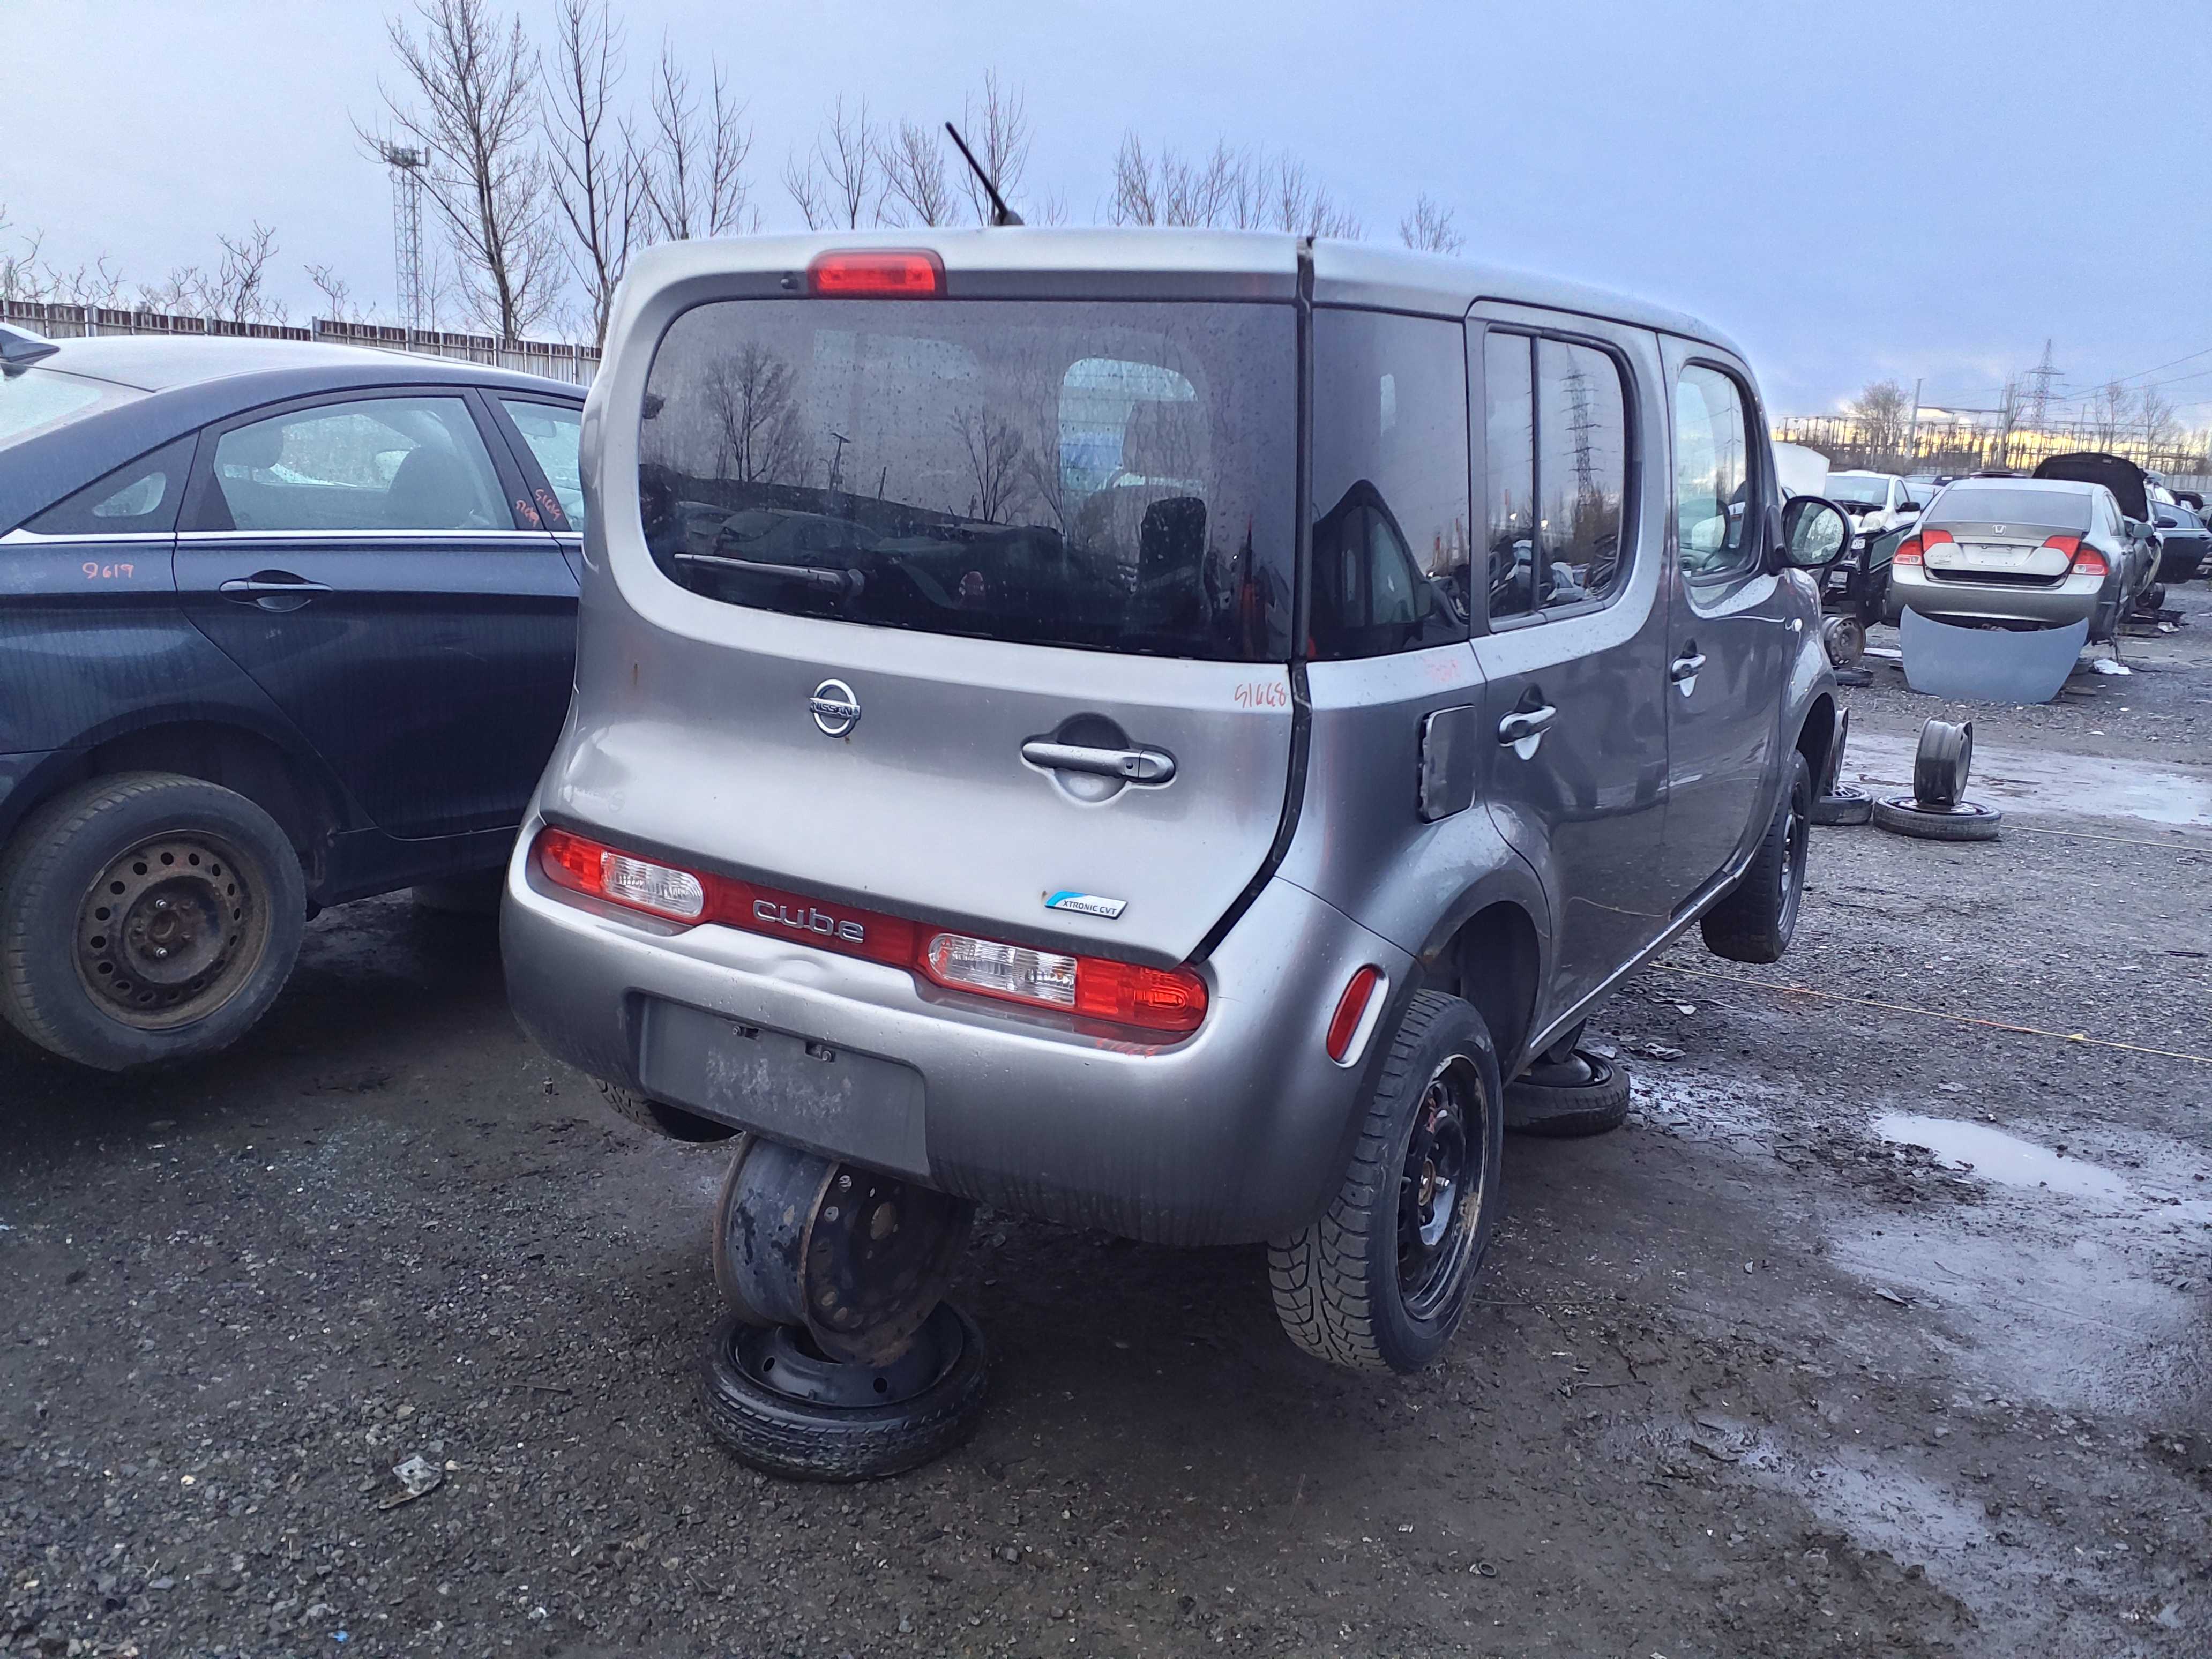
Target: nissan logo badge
835, 708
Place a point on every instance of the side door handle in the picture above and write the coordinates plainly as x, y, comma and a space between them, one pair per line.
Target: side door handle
272, 590
1129, 765
1683, 671
1524, 728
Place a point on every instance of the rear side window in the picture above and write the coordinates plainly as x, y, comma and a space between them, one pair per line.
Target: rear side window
1556, 426
1713, 480
1390, 548
2046, 509
35, 400
375, 464
1115, 477
553, 431
133, 500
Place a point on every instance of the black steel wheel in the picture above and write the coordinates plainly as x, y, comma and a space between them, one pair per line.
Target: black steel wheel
1843, 638
1847, 805
1758, 919
1563, 1097
1941, 763
783, 1406
1380, 1281
146, 916
1968, 821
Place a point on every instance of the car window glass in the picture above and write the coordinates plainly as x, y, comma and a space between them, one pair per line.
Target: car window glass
1581, 471
1509, 487
552, 431
133, 500
1390, 548
377, 464
35, 400
1712, 485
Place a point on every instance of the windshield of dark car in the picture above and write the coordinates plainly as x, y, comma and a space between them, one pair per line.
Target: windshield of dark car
1111, 476
35, 400
1968, 503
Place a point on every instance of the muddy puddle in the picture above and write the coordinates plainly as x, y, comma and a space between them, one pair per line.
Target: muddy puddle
2009, 1160
2033, 781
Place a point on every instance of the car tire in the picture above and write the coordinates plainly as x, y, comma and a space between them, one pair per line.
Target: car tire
208, 907
1432, 1139
670, 1122
1847, 805
810, 1439
1967, 821
1758, 918
1566, 1109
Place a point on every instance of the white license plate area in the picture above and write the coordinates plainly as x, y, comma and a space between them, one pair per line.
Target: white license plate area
1973, 555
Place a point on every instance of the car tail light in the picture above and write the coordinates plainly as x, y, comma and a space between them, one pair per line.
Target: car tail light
585, 867
2083, 561
1909, 549
1351, 1016
1163, 1000
1155, 998
878, 274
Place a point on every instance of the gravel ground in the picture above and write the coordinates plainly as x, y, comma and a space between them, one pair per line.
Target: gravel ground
1762, 1373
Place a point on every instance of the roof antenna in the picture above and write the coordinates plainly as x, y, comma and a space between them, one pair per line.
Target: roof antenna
1001, 213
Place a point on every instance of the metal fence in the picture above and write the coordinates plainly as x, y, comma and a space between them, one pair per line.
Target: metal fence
554, 358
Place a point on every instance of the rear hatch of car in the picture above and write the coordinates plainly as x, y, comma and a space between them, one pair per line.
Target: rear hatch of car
972, 610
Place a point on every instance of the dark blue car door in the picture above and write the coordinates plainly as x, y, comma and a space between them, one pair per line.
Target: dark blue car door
368, 559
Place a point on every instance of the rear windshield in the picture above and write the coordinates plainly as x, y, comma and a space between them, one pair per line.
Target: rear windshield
36, 400
1857, 492
2045, 509
1117, 475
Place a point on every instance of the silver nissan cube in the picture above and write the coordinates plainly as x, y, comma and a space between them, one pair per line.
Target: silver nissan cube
1168, 731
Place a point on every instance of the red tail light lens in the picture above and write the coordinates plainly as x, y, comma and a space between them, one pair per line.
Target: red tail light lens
919, 275
1350, 1012
1169, 1000
1909, 549
2085, 561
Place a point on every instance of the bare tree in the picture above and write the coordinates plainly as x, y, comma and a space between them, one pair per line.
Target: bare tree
994, 449
236, 291
1293, 201
836, 186
1429, 227
1243, 189
594, 178
2012, 402
469, 98
2154, 415
757, 439
1882, 415
19, 268
996, 125
916, 189
2110, 409
690, 167
339, 303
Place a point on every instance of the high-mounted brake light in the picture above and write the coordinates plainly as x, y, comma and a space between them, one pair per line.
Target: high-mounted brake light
873, 274
1167, 1000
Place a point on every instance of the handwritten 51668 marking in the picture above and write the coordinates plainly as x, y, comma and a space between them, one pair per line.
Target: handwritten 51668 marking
1262, 694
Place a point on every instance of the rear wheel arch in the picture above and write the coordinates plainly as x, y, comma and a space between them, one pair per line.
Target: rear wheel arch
1495, 960
236, 758
1816, 734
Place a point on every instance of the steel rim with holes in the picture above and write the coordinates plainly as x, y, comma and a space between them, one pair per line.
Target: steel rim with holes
1796, 838
1440, 1190
170, 932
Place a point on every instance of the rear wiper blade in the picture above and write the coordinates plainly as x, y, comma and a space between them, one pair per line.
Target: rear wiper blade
823, 578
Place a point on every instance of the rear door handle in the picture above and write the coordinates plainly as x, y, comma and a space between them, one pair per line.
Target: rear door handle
1686, 668
1130, 765
1525, 725
268, 588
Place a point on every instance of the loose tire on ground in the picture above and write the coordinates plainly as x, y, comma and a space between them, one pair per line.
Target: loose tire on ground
144, 917
1967, 821
1562, 1111
1848, 805
1340, 1283
1756, 920
807, 1440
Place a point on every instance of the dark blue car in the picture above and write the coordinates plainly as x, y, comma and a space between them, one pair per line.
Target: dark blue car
280, 626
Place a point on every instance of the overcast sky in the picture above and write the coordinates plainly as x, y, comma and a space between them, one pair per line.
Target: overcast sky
1852, 190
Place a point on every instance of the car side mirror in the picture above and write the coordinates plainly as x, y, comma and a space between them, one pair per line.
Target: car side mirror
1814, 532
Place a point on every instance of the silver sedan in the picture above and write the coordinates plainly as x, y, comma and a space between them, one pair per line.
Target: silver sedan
2022, 553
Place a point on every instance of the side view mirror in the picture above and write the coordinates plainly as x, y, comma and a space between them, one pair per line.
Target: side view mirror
1814, 532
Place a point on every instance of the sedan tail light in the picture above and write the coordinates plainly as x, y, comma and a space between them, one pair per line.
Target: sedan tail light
1167, 1000
2084, 560
1909, 549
